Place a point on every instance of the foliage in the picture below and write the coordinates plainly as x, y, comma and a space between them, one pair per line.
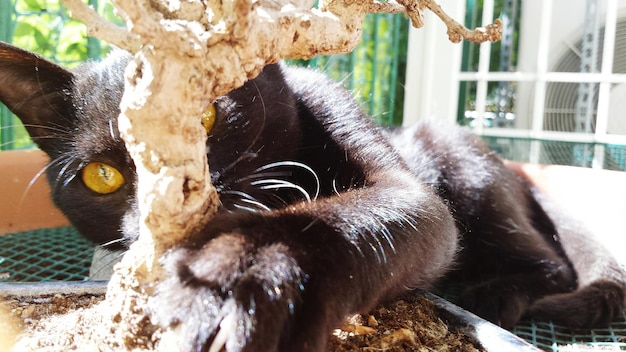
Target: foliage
44, 27
375, 71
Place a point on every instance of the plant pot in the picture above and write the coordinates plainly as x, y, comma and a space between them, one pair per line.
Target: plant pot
26, 203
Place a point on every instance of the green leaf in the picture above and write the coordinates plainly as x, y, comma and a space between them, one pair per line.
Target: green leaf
30, 5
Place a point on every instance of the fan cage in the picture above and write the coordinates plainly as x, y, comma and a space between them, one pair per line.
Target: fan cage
561, 97
548, 98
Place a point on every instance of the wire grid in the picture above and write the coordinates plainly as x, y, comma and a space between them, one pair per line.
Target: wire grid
555, 338
551, 337
55, 254
557, 152
62, 254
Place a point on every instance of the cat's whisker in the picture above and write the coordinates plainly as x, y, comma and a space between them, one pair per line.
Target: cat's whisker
278, 184
334, 184
385, 235
34, 179
238, 193
345, 78
114, 241
244, 156
112, 258
263, 175
388, 237
112, 130
43, 170
3, 145
62, 173
31, 183
407, 219
246, 198
61, 130
245, 208
257, 204
294, 164
30, 144
16, 125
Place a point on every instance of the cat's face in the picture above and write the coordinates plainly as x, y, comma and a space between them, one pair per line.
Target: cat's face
72, 116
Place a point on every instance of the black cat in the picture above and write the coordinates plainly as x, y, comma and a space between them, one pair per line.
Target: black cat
322, 213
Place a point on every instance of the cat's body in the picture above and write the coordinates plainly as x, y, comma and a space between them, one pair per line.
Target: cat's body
322, 213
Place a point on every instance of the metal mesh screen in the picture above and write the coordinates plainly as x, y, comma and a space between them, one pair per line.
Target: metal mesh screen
61, 254
554, 338
550, 337
56, 254
559, 153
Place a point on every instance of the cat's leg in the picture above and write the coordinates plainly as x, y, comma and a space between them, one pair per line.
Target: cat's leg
508, 244
601, 292
282, 280
552, 267
594, 305
513, 247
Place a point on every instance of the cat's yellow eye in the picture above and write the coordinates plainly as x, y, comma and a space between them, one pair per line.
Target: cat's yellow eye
102, 178
208, 118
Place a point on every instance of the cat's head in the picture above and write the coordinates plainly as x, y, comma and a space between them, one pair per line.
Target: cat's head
72, 116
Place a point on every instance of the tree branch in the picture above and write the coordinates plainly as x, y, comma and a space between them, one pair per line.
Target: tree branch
100, 28
456, 31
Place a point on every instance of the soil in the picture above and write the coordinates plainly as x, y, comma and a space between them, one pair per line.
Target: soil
410, 324
30, 310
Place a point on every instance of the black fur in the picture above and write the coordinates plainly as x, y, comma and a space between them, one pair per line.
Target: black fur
323, 214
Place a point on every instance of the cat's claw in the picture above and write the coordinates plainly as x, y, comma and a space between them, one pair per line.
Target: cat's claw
228, 326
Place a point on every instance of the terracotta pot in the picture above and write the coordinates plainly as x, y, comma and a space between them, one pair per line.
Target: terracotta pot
25, 202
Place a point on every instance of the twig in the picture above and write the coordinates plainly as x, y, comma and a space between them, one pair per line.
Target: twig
457, 31
101, 28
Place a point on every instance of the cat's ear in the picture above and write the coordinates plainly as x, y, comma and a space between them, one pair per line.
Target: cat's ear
38, 92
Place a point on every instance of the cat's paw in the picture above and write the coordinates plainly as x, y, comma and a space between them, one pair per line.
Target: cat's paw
497, 301
235, 294
593, 306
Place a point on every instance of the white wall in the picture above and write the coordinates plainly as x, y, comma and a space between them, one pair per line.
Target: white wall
433, 62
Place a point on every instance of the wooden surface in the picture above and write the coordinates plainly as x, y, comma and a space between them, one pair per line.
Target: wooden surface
25, 206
